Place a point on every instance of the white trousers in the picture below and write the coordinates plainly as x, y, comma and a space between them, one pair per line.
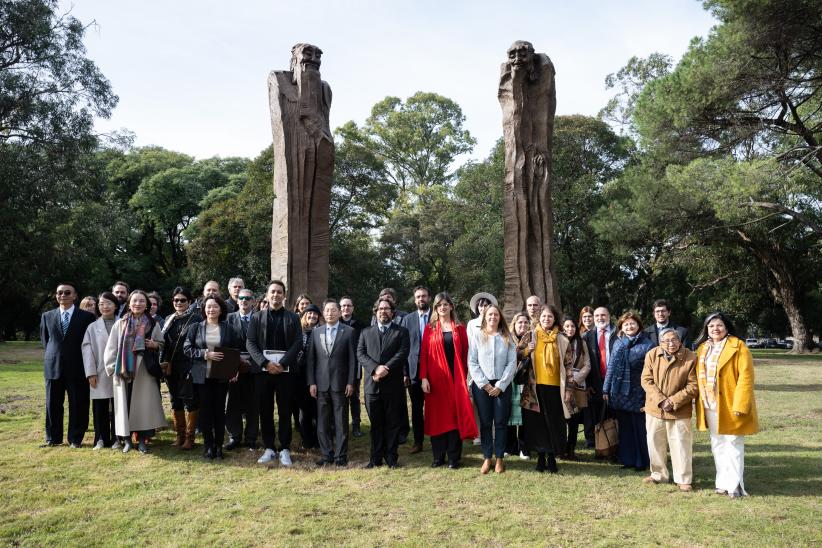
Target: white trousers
676, 435
729, 456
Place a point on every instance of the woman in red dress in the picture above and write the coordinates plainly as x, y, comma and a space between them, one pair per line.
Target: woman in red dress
449, 416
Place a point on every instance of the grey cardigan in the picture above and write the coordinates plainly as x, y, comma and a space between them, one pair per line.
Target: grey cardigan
490, 358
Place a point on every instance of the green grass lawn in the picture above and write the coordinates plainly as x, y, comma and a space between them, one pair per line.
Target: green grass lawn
81, 497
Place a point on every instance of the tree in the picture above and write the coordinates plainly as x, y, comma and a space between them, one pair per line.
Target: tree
417, 141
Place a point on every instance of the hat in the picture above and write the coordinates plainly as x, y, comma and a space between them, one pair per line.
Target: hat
475, 299
313, 308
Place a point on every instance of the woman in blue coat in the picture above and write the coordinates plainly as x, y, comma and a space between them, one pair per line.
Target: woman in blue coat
623, 392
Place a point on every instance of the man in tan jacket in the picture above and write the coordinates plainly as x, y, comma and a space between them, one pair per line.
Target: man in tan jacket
669, 380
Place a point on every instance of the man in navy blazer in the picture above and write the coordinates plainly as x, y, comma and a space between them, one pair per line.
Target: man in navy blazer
331, 373
61, 332
415, 323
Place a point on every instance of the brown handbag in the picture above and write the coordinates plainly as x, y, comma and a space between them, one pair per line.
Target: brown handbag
606, 435
581, 398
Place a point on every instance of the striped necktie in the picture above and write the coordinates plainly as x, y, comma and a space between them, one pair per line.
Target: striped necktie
65, 322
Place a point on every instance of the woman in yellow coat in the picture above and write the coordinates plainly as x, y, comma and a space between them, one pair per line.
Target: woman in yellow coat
726, 403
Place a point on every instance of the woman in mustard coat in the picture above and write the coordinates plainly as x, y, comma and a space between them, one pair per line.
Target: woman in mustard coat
726, 403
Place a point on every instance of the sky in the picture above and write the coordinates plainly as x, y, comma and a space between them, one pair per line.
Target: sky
192, 75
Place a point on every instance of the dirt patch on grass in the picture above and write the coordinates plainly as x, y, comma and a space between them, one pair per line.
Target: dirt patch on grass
15, 353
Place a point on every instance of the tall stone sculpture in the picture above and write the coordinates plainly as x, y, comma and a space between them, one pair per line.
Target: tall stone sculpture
303, 164
527, 94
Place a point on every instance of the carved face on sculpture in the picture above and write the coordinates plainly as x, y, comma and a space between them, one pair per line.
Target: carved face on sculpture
521, 55
305, 56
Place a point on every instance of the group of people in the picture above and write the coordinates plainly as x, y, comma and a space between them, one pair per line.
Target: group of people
523, 387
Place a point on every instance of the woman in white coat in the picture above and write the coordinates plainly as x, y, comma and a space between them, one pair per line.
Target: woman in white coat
138, 406
101, 390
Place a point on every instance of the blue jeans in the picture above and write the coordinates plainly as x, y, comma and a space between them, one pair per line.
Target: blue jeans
494, 413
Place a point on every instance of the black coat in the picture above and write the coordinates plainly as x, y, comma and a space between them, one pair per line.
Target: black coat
64, 356
390, 350
195, 347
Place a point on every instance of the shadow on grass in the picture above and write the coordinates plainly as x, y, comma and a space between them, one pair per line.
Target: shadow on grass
790, 387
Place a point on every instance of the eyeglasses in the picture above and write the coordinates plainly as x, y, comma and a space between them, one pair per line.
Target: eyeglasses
65, 292
244, 298
669, 342
179, 300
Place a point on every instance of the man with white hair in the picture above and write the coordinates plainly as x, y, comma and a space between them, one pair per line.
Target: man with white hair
600, 341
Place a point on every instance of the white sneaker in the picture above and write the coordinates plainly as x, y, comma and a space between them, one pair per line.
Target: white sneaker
523, 456
477, 441
267, 457
99, 445
285, 457
116, 445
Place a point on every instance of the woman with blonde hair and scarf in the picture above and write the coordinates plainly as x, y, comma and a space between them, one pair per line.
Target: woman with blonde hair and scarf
726, 404
134, 339
546, 398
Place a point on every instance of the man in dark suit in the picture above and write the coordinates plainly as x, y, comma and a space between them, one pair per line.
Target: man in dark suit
415, 323
235, 285
383, 354
61, 332
241, 396
275, 329
600, 341
390, 293
347, 318
331, 374
662, 315
120, 290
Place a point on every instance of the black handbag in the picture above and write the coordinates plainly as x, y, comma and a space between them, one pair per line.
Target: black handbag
152, 364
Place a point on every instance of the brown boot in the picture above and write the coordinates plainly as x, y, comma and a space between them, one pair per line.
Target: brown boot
179, 418
191, 426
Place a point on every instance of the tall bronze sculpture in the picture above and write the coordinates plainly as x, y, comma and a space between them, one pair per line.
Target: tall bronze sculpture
527, 94
303, 165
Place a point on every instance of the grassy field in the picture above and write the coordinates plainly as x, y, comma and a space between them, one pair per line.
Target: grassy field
80, 497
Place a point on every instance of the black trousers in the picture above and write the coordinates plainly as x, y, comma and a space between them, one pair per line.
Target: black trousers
78, 400
385, 414
212, 411
448, 444
268, 387
573, 428
417, 397
182, 392
103, 413
307, 407
356, 410
242, 402
591, 415
332, 416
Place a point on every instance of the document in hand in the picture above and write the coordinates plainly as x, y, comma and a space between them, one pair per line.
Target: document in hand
227, 368
274, 356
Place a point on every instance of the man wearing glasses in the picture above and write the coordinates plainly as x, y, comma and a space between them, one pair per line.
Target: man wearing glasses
61, 332
241, 394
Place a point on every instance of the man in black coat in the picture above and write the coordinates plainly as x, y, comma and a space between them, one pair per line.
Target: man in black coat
274, 331
331, 372
241, 395
662, 317
382, 352
600, 341
61, 332
347, 318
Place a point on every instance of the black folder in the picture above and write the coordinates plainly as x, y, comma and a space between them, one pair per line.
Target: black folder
227, 368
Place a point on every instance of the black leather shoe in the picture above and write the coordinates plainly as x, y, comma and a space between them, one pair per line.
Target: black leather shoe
218, 453
453, 465
208, 453
341, 462
552, 464
437, 463
142, 447
393, 465
356, 432
324, 462
373, 464
253, 446
232, 444
74, 445
48, 444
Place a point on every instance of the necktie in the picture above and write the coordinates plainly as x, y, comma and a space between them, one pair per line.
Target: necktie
423, 324
603, 362
329, 339
65, 322
245, 323
383, 329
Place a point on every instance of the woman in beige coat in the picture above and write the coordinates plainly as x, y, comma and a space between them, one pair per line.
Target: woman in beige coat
100, 385
138, 406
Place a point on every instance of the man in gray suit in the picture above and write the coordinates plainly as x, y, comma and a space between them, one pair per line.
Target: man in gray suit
331, 373
61, 332
415, 323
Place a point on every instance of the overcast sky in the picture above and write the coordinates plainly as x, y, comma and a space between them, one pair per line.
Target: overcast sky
191, 75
